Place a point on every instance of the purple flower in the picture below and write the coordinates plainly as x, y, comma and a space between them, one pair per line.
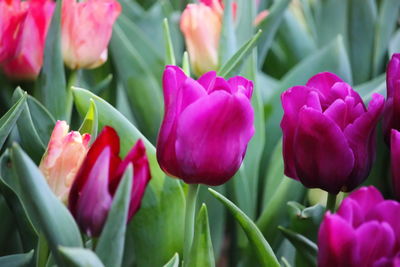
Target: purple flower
206, 128
364, 232
328, 133
391, 118
395, 161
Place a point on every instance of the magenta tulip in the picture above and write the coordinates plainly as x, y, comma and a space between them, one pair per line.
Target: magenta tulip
364, 232
206, 128
395, 161
391, 118
94, 187
328, 133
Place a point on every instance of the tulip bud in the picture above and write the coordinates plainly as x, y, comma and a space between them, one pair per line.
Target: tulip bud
391, 118
94, 188
206, 128
201, 26
63, 158
395, 161
23, 29
364, 232
328, 133
86, 29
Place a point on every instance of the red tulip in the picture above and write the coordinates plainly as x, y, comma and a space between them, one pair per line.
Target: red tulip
93, 190
23, 30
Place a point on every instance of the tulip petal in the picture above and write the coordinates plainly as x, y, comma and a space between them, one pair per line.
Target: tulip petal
374, 241
95, 200
336, 242
207, 80
361, 138
319, 148
395, 161
241, 84
178, 99
323, 82
292, 101
212, 137
107, 138
387, 211
141, 173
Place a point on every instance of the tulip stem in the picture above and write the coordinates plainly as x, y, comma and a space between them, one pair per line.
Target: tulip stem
190, 211
331, 202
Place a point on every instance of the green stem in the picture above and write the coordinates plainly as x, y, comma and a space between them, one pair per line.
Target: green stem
331, 202
189, 219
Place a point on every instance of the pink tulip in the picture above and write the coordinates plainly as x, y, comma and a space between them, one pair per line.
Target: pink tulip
206, 128
86, 31
201, 26
23, 30
63, 158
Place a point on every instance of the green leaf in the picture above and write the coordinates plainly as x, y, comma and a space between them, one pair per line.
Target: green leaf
304, 246
306, 220
277, 192
51, 85
79, 257
227, 42
237, 59
90, 123
34, 126
269, 28
110, 247
9, 119
141, 85
161, 216
48, 214
169, 48
394, 45
261, 247
16, 260
377, 85
385, 26
362, 19
173, 262
186, 63
201, 252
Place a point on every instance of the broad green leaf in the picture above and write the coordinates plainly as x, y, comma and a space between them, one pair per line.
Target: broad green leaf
48, 214
261, 247
51, 86
90, 123
35, 125
161, 216
377, 85
278, 191
169, 48
304, 246
227, 42
110, 247
9, 119
142, 87
79, 257
228, 68
394, 45
173, 262
42, 251
385, 26
201, 253
269, 28
10, 240
363, 14
16, 260
9, 189
306, 220
328, 25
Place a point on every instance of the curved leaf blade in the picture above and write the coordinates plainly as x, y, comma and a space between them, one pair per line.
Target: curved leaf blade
79, 257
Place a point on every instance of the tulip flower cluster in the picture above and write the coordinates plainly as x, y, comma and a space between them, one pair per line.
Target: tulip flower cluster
206, 128
328, 133
86, 31
364, 232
